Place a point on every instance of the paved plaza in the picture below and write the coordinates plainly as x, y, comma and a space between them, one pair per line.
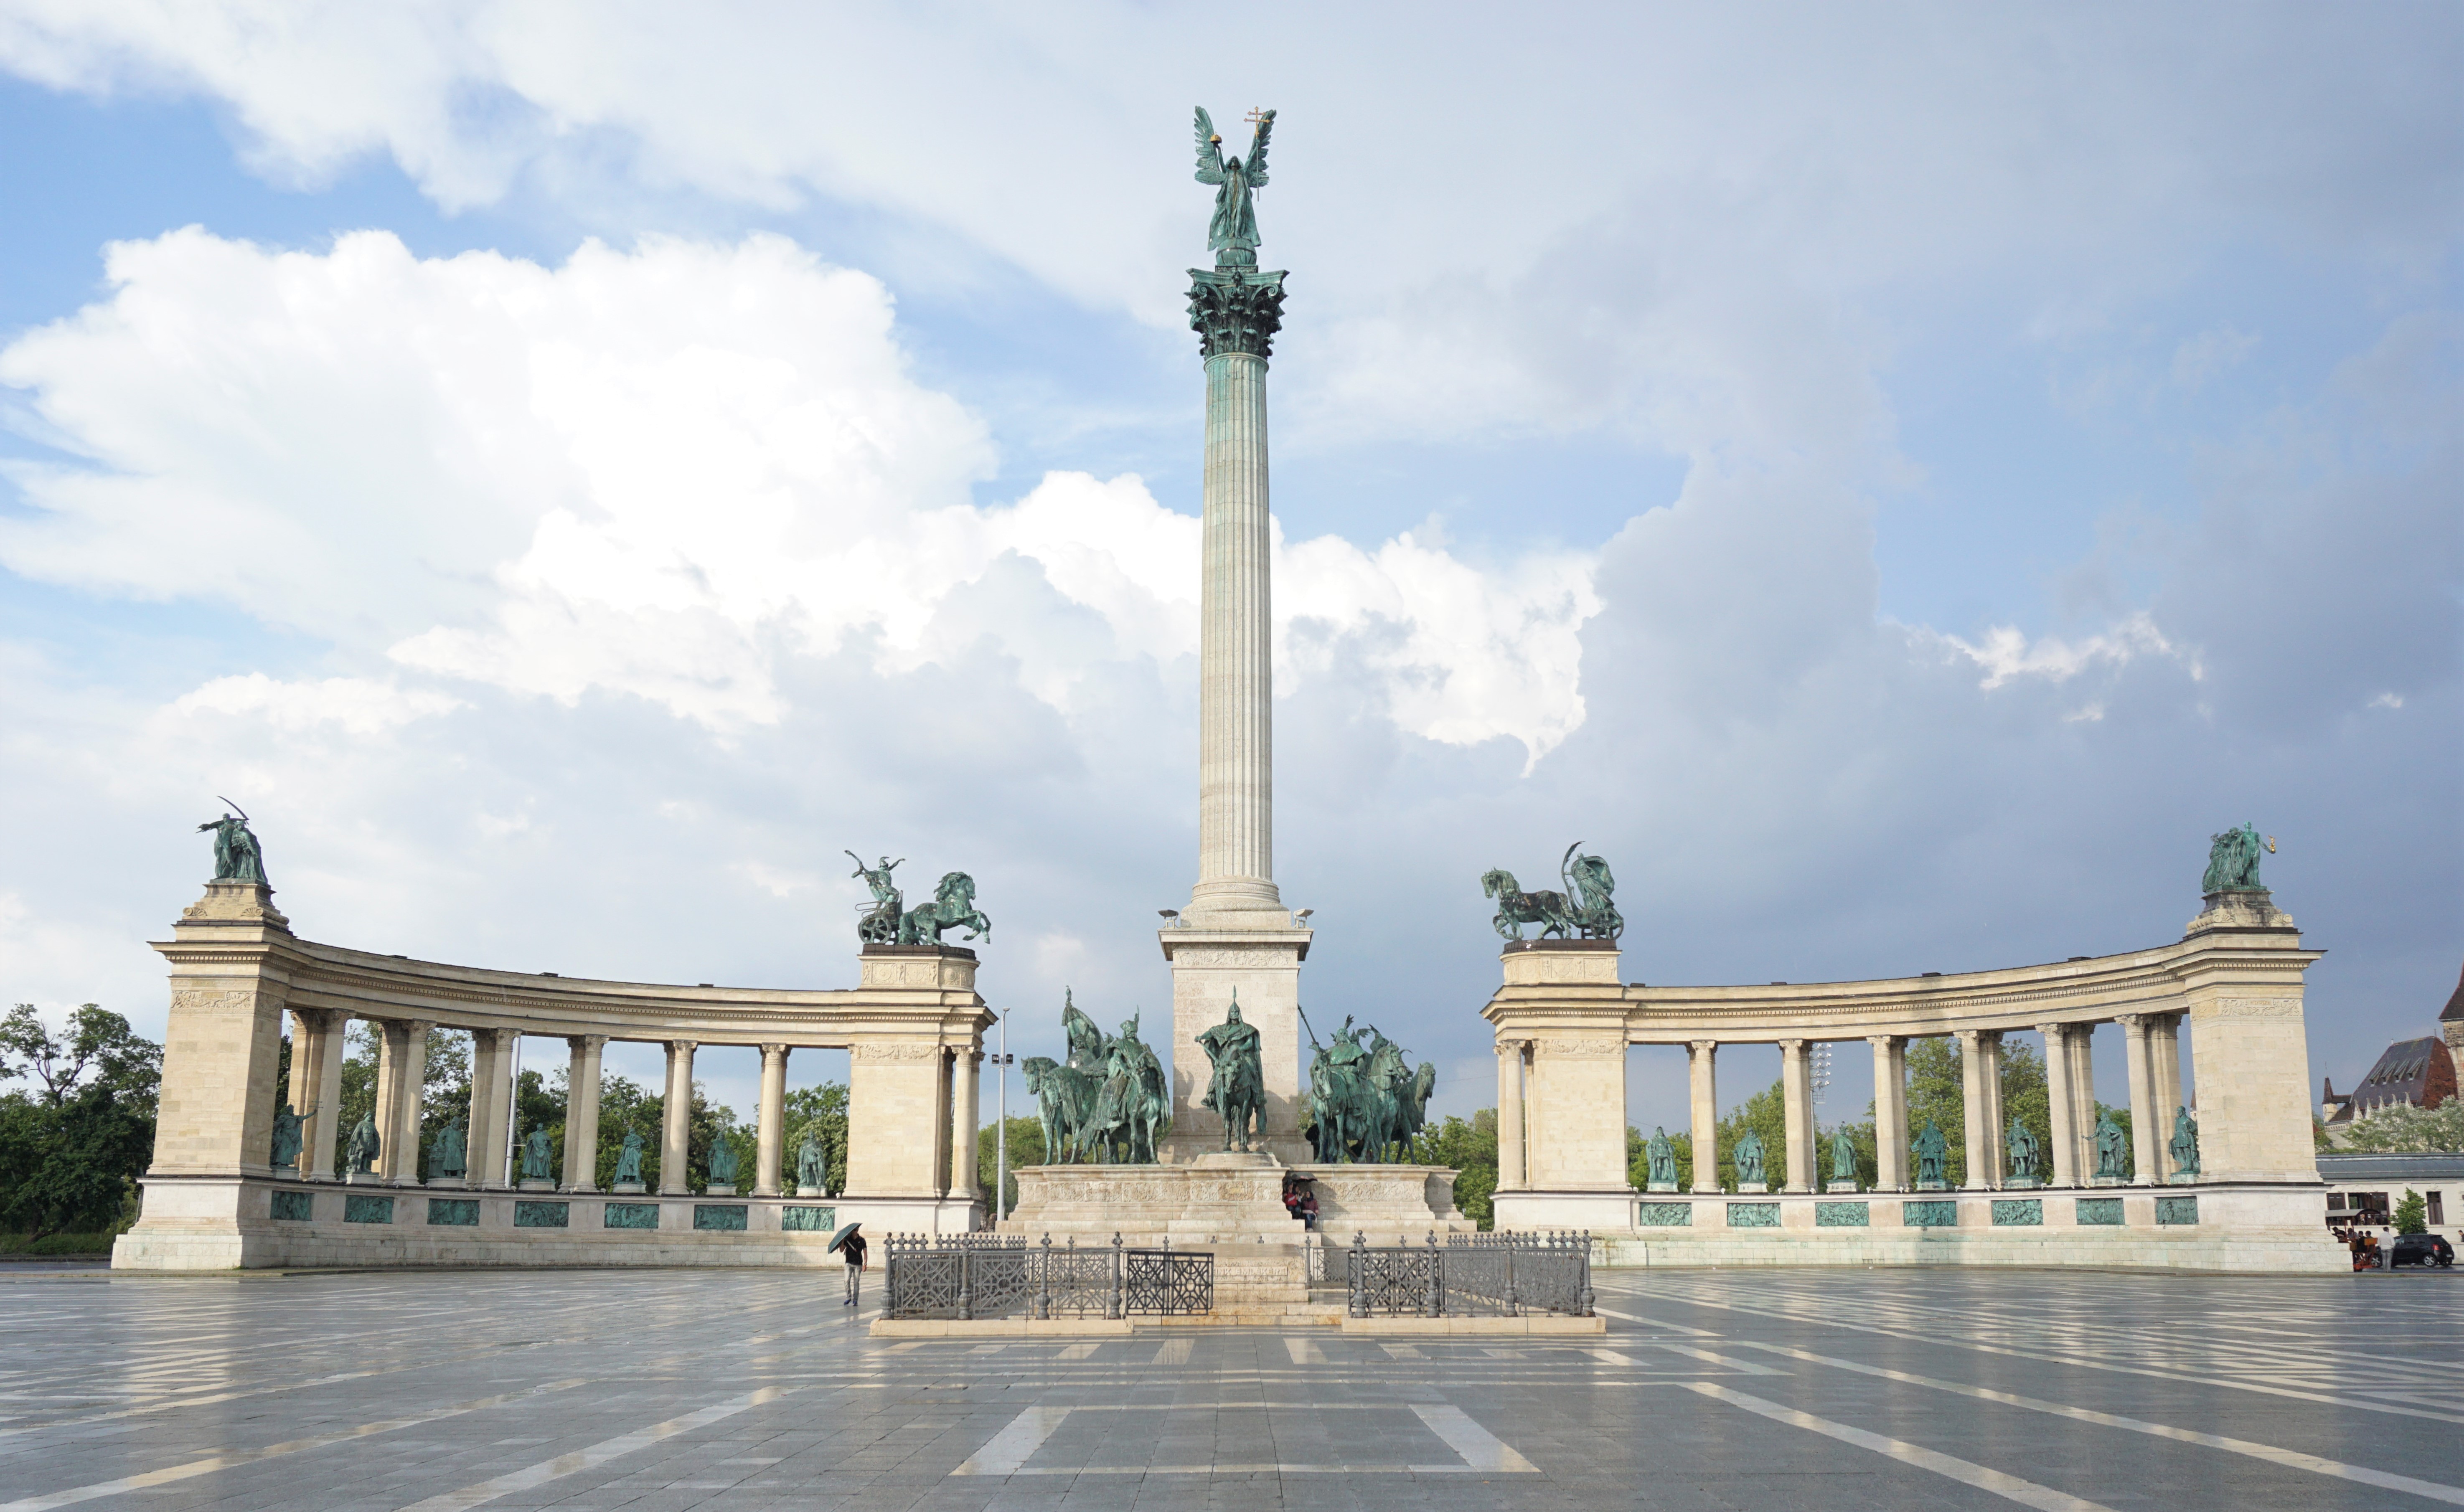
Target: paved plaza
1764, 1390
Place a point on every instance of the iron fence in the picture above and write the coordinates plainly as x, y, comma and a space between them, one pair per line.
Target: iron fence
957, 1276
1498, 1275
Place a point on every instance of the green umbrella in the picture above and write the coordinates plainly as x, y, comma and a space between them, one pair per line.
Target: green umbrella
846, 1232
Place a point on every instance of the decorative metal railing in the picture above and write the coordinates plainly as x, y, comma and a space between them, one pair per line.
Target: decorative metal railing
1501, 1275
956, 1276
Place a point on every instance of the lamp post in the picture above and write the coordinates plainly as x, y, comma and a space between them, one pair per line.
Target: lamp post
1000, 1130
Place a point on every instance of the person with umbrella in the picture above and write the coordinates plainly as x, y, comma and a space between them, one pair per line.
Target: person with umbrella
848, 1245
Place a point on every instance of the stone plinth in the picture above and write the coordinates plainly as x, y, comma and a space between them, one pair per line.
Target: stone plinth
1228, 1200
1263, 967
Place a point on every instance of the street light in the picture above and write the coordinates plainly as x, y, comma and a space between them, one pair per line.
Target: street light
1000, 1130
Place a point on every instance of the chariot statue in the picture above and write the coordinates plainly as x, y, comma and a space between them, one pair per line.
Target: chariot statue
953, 907
879, 924
1586, 909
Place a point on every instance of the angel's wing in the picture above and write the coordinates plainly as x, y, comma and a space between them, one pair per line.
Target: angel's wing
1210, 152
1256, 167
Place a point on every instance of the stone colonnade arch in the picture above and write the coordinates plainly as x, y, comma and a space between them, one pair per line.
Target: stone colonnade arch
1564, 1018
914, 1029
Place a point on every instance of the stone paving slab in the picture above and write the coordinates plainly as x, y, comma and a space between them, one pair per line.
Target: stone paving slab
1773, 1390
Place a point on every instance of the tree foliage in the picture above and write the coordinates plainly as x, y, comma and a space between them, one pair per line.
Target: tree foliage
2407, 1130
1470, 1147
2411, 1214
73, 1145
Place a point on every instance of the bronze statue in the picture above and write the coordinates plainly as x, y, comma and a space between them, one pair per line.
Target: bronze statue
2232, 861
1932, 1150
629, 1160
2185, 1144
1233, 233
287, 1138
722, 1161
365, 1144
952, 907
1749, 1161
536, 1158
879, 924
447, 1156
1238, 1088
1844, 1157
2025, 1152
2112, 1147
1662, 1157
813, 1162
237, 856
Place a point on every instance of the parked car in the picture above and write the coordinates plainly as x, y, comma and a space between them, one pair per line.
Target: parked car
2421, 1249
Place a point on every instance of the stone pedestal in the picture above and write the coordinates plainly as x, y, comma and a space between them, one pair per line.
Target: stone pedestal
1744, 1186
717, 1189
1839, 1186
628, 1188
450, 1183
363, 1178
1660, 1185
2022, 1184
1260, 962
813, 1192
1932, 1186
534, 1184
1230, 1198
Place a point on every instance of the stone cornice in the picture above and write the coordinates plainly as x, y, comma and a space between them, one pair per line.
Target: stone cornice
2248, 963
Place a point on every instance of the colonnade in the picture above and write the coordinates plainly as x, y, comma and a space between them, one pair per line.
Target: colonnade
2155, 1093
492, 1145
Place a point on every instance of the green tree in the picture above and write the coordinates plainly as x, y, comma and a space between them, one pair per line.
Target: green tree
72, 1147
2411, 1131
1470, 1147
826, 1103
626, 1106
1766, 1114
2411, 1214
1935, 1093
1025, 1149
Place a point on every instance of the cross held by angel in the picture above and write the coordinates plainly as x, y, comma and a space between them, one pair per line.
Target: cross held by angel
1233, 233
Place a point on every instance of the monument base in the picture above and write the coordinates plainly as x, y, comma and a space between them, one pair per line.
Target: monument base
1228, 1197
717, 1189
2022, 1184
813, 1192
534, 1184
1744, 1186
1932, 1186
1839, 1186
1660, 1185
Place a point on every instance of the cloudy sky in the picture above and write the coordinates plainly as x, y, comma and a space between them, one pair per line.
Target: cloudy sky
1893, 479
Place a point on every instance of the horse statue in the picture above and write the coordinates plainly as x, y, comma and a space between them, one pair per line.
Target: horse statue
1086, 1041
953, 907
1129, 1105
1063, 1096
1516, 907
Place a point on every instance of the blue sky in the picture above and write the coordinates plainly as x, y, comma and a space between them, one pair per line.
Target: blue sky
1894, 483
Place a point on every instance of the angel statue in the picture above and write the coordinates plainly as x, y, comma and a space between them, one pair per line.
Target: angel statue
1233, 233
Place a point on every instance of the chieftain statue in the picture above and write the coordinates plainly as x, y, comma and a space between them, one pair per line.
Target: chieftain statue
2185, 1143
1661, 1157
1238, 1088
1932, 1151
1748, 1156
1232, 235
1844, 1157
1365, 1102
2112, 1147
237, 856
1586, 909
365, 1144
1108, 1104
2232, 861
722, 1161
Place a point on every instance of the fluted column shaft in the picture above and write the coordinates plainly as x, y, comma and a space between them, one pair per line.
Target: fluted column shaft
1796, 1104
1702, 1077
1236, 850
1510, 1167
968, 1064
675, 1140
1890, 1112
2060, 1104
1971, 1106
1989, 1064
2164, 1066
770, 1145
325, 1135
2144, 1141
581, 1112
2082, 1049
409, 1089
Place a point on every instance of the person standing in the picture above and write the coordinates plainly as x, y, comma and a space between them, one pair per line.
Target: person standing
853, 1251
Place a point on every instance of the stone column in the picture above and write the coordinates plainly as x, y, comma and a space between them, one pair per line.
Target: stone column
2064, 1151
2164, 1068
2082, 1047
1702, 1078
676, 1142
1890, 1112
409, 1093
491, 1052
1797, 1101
1988, 1055
326, 1134
964, 1098
392, 1042
2142, 1100
1972, 1107
581, 1077
1511, 1170
300, 1092
770, 1143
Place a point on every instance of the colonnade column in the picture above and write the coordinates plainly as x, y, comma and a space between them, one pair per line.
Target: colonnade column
2142, 1097
2082, 1047
327, 1130
675, 1140
1702, 1084
484, 1144
1971, 1106
392, 1042
299, 1093
1890, 1112
770, 1140
1510, 1167
969, 1065
2164, 1066
409, 1094
1988, 1057
2057, 1102
582, 1111
1797, 1101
